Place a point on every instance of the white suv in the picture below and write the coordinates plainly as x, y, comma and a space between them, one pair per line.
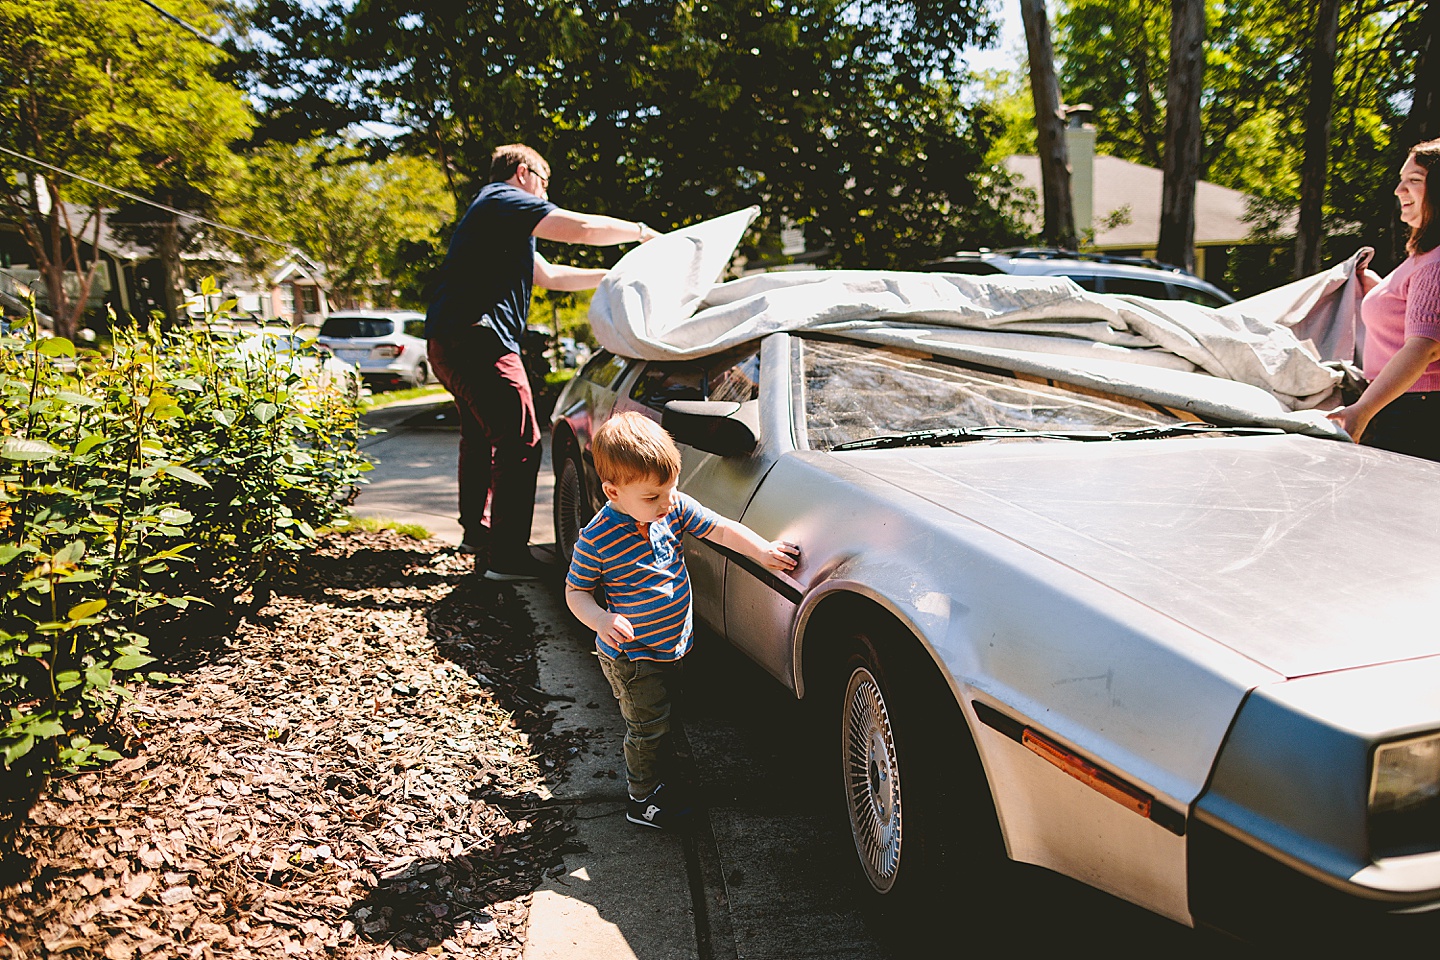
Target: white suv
388, 346
1099, 273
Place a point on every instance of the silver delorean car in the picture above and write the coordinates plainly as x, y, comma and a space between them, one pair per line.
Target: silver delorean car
1193, 664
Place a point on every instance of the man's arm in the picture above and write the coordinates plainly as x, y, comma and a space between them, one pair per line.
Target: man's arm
554, 276
595, 229
773, 555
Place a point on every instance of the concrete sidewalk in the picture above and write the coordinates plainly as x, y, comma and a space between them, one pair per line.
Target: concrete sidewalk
628, 894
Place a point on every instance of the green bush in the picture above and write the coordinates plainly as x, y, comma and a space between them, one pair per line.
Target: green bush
171, 469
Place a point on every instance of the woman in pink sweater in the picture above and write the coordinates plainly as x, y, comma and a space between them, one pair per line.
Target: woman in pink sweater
1400, 409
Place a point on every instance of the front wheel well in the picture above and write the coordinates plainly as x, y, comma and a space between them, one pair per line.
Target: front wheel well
952, 826
843, 616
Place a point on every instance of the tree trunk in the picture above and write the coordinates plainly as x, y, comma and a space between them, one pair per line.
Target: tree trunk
1049, 128
1314, 166
170, 262
1182, 133
47, 230
1423, 123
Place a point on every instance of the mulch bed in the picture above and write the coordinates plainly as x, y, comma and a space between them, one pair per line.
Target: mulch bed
356, 769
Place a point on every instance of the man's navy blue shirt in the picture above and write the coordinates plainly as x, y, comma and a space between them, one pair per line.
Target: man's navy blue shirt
489, 267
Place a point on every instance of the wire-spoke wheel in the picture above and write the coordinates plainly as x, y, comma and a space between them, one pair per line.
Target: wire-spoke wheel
572, 509
872, 780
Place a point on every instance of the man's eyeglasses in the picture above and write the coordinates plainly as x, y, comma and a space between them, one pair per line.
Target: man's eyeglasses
544, 180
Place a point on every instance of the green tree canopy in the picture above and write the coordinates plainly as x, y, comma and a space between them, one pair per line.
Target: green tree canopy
118, 94
366, 221
1115, 56
838, 116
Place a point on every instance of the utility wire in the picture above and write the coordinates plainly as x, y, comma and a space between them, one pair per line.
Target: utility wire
140, 199
178, 22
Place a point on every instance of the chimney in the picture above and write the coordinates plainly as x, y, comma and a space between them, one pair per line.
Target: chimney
1080, 145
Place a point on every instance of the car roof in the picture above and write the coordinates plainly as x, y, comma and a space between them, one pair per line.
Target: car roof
1044, 261
377, 315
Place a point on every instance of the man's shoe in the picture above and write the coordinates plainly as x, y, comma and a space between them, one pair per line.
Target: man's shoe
524, 567
474, 549
659, 810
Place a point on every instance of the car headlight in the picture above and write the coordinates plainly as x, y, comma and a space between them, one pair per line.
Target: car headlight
1405, 796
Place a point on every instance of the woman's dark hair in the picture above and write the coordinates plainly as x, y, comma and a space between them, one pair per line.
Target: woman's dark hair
1426, 236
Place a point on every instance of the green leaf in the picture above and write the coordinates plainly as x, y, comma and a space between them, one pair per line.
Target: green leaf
88, 442
9, 552
175, 516
158, 400
225, 417
132, 661
77, 399
46, 728
14, 751
265, 412
56, 347
184, 473
19, 448
87, 609
71, 552
83, 576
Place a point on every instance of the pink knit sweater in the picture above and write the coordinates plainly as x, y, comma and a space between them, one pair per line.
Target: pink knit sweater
1405, 304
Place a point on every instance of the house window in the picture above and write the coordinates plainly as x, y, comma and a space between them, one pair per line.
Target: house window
310, 299
287, 301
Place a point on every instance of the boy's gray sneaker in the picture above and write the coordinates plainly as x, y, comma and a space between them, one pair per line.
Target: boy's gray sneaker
660, 810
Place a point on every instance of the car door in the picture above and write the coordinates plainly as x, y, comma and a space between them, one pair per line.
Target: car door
724, 484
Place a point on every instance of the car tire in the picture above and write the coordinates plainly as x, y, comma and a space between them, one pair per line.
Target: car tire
572, 505
916, 803
422, 375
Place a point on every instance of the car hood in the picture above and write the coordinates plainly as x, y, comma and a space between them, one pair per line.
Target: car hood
1305, 555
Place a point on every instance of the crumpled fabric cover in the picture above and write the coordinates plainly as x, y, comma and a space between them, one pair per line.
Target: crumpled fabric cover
662, 301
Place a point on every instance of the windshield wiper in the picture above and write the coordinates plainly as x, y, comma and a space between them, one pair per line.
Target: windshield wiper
1188, 429
939, 438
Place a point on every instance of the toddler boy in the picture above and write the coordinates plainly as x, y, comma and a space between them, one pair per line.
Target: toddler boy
632, 549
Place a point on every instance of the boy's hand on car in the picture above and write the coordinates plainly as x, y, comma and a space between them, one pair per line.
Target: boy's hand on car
780, 555
615, 629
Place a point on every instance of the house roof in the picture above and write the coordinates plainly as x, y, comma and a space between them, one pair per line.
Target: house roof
1219, 211
295, 266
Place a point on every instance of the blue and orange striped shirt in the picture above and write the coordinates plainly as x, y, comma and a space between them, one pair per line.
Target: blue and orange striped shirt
644, 576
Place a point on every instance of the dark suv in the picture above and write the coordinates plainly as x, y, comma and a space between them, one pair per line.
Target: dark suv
1100, 273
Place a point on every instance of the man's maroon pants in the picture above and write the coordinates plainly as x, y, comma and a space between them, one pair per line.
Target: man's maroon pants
499, 440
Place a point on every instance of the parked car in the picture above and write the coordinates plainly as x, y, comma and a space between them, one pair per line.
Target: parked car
389, 347
1186, 663
1098, 273
317, 366
570, 354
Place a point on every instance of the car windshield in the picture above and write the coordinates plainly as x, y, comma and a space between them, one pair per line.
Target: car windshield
855, 391
357, 327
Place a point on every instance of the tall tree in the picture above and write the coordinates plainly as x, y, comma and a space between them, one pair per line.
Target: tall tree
117, 95
362, 219
1182, 133
841, 116
1049, 129
1315, 164
1422, 122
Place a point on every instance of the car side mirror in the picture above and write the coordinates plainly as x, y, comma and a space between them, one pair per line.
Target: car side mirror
721, 427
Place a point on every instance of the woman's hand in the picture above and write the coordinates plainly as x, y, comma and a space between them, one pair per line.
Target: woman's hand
1353, 419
